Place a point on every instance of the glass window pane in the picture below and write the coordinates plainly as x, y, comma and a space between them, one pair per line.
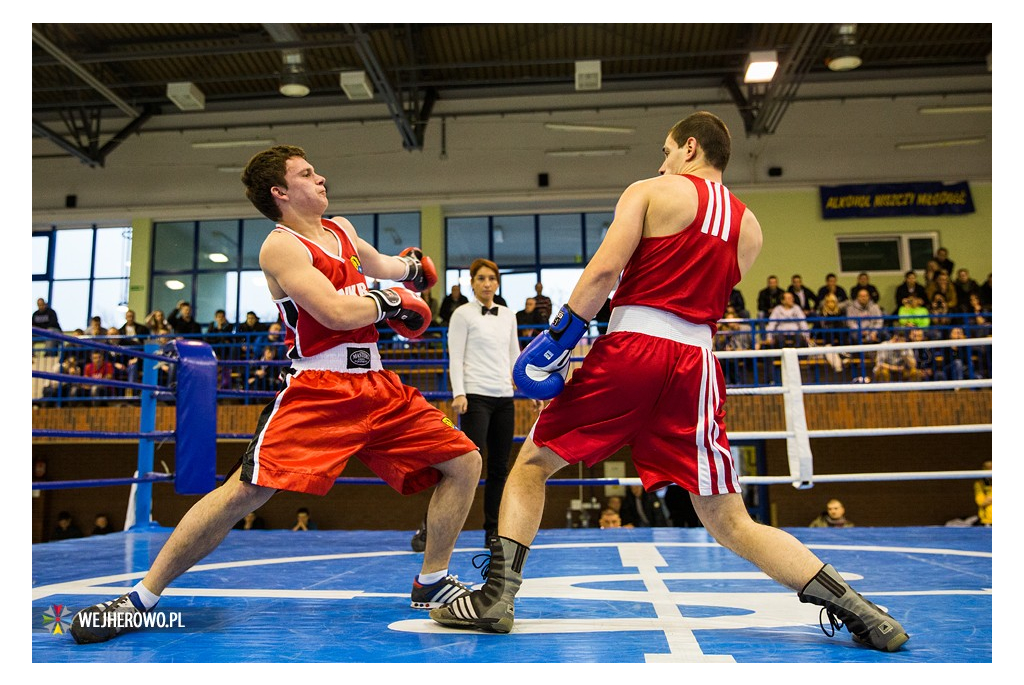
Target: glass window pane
215, 291
173, 246
516, 287
109, 300
113, 252
218, 245
40, 254
871, 255
254, 296
561, 239
166, 291
363, 224
71, 302
41, 289
397, 232
254, 232
597, 225
515, 241
921, 251
466, 241
558, 285
73, 254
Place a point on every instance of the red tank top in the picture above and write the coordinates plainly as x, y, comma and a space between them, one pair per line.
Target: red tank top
690, 273
304, 335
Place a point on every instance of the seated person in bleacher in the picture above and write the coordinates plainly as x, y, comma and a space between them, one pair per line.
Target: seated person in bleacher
864, 319
895, 364
787, 325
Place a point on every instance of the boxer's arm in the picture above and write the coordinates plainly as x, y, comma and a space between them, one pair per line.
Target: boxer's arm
290, 273
375, 265
603, 271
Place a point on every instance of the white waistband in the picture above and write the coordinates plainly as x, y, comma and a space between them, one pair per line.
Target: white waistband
343, 358
660, 324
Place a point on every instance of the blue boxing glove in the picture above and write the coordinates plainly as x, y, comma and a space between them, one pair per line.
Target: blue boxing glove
542, 366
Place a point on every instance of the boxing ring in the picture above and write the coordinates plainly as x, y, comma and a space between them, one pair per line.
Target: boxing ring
642, 595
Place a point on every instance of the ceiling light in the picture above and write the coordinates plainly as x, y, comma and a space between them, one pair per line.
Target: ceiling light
593, 128
761, 66
221, 144
218, 257
845, 54
940, 143
174, 285
294, 83
356, 85
592, 152
186, 96
588, 75
956, 109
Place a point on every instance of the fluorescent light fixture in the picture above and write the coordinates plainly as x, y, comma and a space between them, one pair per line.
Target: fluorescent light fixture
218, 257
956, 109
761, 66
294, 82
224, 144
939, 143
588, 75
356, 85
231, 169
590, 152
174, 285
592, 128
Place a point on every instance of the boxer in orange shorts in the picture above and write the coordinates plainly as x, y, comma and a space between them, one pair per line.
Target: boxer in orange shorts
338, 401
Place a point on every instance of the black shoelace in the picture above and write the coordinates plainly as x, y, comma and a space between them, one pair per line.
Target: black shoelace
483, 562
833, 621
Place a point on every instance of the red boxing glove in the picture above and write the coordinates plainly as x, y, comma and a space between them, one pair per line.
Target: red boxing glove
406, 313
420, 273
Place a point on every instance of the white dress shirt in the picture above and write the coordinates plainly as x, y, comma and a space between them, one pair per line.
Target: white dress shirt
482, 350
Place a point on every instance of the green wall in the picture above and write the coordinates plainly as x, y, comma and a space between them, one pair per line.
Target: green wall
798, 240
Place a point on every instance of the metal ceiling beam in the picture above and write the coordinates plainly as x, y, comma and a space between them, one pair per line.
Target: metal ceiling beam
42, 41
410, 139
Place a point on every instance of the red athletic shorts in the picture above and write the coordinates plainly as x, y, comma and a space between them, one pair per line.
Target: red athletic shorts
307, 434
663, 398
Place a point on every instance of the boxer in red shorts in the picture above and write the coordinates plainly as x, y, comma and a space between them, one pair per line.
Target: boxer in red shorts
338, 401
678, 245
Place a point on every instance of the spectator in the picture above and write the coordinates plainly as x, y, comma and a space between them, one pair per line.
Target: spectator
804, 298
266, 377
983, 496
931, 270
925, 358
943, 260
956, 361
834, 516
787, 325
938, 317
892, 365
864, 318
864, 283
734, 335
450, 303
101, 525
275, 340
913, 312
543, 303
66, 528
830, 329
965, 286
218, 334
251, 522
157, 323
250, 329
986, 292
942, 286
909, 287
609, 519
428, 297
529, 322
100, 368
769, 297
614, 502
642, 509
95, 328
303, 521
133, 331
181, 321
44, 316
979, 321
681, 513
739, 304
832, 287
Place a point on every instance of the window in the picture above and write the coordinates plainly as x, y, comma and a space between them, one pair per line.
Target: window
885, 253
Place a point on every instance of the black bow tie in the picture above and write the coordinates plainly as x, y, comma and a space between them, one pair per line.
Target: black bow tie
484, 311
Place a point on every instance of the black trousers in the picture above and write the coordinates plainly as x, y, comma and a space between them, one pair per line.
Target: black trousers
490, 423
